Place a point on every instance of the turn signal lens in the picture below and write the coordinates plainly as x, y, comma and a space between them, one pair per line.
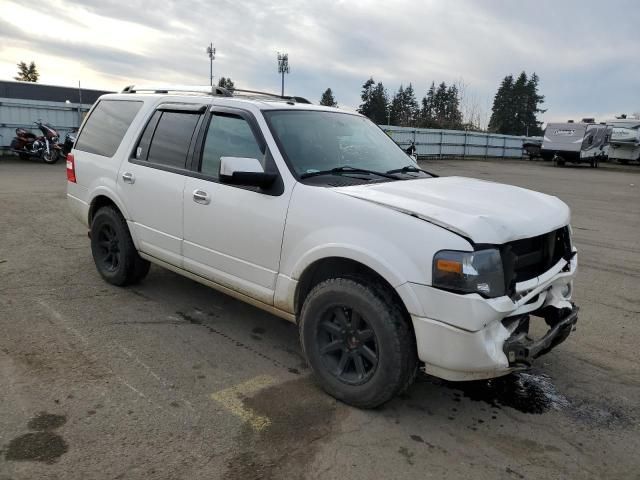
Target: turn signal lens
71, 168
449, 266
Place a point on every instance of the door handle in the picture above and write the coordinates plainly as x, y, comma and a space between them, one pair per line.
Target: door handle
200, 196
128, 177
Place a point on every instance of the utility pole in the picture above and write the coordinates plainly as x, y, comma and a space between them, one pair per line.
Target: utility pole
283, 67
79, 104
211, 51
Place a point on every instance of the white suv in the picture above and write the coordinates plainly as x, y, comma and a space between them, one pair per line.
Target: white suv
317, 216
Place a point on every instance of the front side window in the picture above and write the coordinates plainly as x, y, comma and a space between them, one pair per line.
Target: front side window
228, 136
315, 141
106, 126
166, 138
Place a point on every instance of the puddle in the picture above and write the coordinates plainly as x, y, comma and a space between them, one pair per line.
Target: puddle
525, 392
42, 445
39, 446
46, 421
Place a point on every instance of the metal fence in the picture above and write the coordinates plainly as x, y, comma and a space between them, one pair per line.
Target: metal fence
16, 113
64, 116
456, 143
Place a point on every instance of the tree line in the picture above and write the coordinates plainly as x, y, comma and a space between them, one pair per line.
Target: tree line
515, 108
514, 111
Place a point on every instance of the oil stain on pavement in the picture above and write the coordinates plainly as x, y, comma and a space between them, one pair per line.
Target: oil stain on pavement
289, 443
43, 445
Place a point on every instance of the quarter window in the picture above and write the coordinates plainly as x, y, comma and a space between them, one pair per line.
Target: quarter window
107, 125
228, 136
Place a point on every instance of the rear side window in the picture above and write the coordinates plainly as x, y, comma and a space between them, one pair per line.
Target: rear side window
105, 128
166, 138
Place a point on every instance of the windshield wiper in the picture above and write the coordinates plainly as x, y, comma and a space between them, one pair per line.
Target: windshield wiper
347, 169
410, 168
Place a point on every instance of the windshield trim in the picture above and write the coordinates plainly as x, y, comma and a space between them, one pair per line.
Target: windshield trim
282, 151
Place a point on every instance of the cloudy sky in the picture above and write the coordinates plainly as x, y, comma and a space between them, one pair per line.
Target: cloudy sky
587, 53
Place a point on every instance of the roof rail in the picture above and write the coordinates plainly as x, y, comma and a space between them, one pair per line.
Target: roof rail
207, 90
274, 95
201, 89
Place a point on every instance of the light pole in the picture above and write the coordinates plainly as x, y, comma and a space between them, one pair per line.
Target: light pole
211, 51
283, 67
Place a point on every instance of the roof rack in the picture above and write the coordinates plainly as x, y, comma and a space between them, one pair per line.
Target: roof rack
208, 90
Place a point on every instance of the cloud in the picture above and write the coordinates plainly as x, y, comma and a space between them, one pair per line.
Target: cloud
584, 52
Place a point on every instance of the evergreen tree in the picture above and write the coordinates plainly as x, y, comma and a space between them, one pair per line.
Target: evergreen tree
404, 107
453, 115
27, 73
516, 105
427, 116
379, 104
533, 127
327, 99
365, 107
375, 102
395, 109
226, 83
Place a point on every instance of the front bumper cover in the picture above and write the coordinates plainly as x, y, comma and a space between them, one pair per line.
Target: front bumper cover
521, 349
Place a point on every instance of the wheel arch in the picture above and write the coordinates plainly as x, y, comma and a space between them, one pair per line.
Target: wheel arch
343, 267
103, 197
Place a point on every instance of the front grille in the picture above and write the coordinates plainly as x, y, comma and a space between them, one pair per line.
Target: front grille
528, 258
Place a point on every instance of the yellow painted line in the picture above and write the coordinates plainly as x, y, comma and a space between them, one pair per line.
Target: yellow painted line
231, 399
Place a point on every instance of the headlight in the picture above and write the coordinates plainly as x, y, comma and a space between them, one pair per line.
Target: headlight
469, 272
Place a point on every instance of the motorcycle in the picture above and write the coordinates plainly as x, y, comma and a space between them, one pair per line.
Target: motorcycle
28, 145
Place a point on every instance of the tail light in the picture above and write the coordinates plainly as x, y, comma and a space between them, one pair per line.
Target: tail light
71, 168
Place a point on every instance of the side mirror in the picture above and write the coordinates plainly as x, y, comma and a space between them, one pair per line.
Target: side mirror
245, 171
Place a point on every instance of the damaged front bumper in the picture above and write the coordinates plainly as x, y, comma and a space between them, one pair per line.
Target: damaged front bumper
521, 349
468, 337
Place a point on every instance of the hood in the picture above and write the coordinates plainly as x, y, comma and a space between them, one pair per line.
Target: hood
485, 212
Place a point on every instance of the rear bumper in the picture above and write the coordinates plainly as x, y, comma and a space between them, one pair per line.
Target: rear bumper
79, 208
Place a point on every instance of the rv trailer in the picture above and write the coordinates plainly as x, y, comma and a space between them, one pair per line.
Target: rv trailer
625, 140
576, 143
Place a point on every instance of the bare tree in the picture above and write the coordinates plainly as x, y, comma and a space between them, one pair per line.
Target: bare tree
472, 113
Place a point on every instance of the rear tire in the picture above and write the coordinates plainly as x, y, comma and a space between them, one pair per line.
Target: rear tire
358, 341
113, 251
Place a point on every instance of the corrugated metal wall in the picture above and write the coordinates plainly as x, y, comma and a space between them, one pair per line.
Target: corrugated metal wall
456, 143
63, 117
16, 113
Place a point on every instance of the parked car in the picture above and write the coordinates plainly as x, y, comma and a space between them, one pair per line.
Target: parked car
317, 216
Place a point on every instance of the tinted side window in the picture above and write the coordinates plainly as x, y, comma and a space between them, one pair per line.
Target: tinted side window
228, 136
142, 151
171, 139
105, 128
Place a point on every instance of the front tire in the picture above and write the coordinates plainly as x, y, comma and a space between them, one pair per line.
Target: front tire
358, 341
113, 250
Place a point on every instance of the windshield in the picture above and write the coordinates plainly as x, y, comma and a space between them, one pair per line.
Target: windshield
317, 141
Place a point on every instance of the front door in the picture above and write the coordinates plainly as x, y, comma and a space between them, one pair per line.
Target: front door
233, 234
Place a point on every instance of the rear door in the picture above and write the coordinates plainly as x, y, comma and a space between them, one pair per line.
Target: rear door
233, 234
152, 180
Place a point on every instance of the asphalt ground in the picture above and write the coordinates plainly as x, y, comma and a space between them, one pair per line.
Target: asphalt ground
171, 380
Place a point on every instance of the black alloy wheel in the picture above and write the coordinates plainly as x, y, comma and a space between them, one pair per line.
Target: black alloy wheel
347, 345
108, 248
113, 250
358, 340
